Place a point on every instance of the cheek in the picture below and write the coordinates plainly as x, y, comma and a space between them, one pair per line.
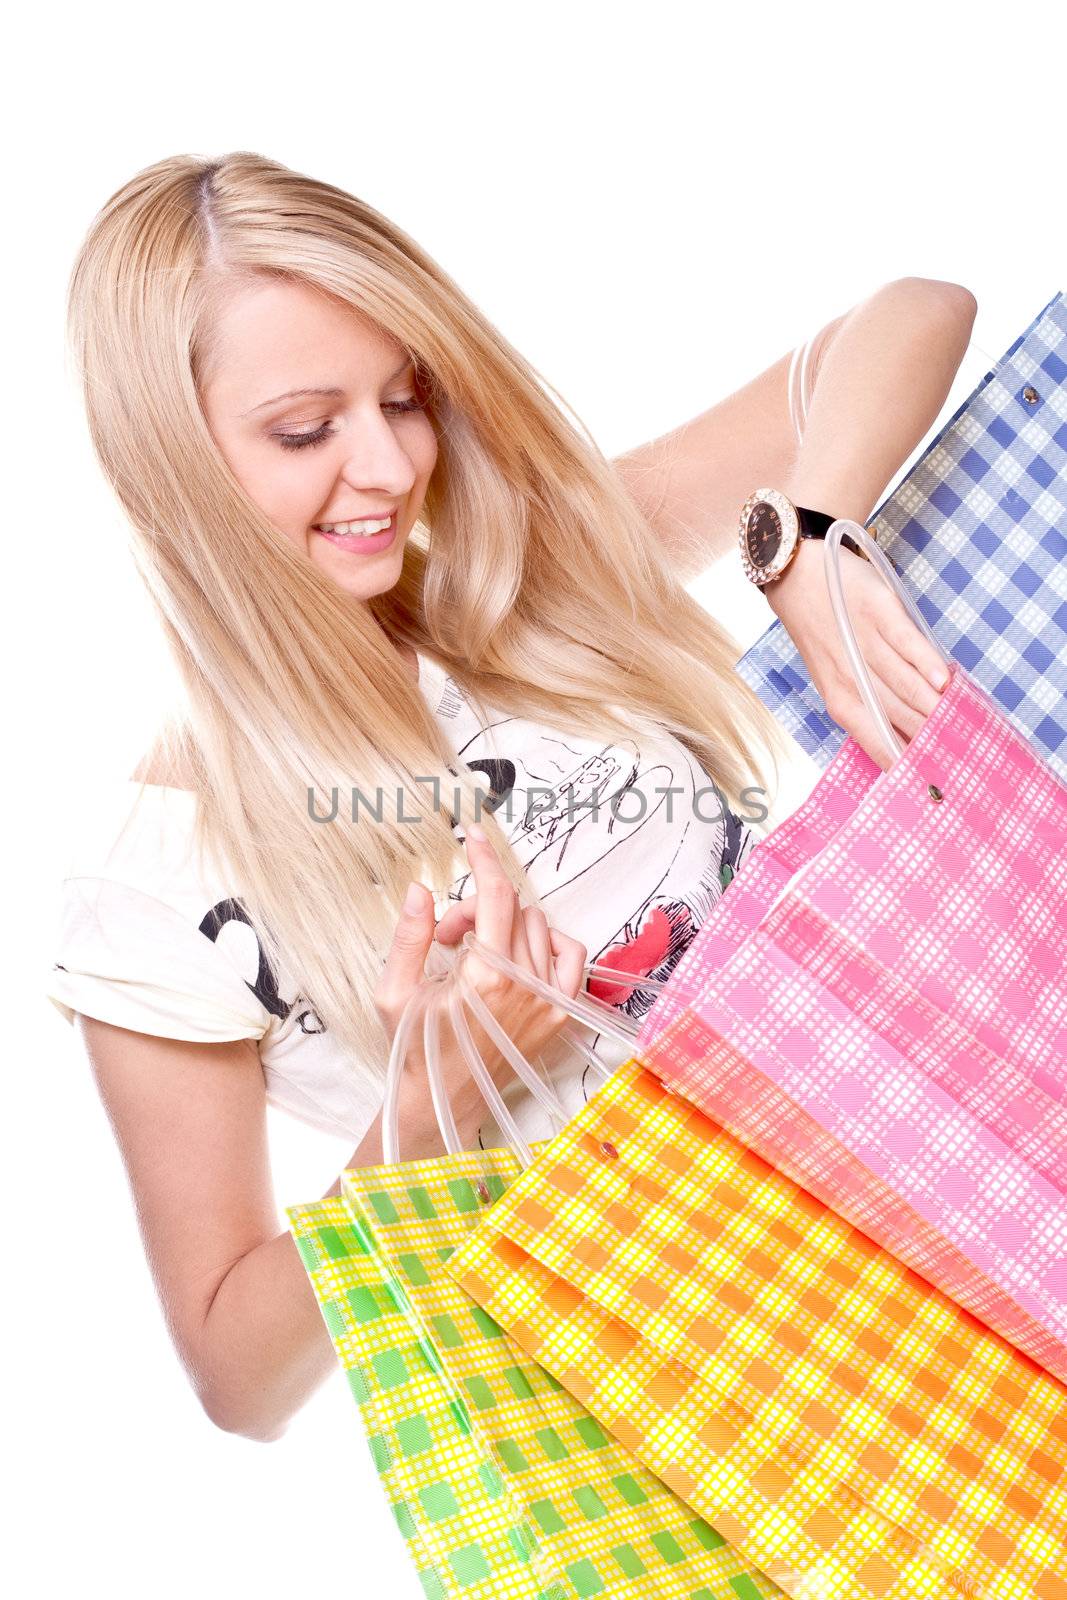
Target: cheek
305, 482
289, 486
425, 453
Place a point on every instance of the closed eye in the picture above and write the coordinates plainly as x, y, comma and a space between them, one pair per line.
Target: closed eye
301, 441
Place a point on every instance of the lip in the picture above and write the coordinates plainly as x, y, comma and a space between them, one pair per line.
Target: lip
364, 516
362, 544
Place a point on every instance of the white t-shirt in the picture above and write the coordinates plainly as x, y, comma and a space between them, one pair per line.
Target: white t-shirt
149, 941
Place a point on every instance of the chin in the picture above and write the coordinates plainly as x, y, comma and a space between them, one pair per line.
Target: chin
362, 585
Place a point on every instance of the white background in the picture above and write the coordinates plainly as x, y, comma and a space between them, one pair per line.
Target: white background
653, 203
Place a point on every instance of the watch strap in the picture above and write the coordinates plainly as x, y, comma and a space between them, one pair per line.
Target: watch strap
817, 524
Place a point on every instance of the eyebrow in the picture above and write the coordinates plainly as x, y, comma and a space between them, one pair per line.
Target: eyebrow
332, 394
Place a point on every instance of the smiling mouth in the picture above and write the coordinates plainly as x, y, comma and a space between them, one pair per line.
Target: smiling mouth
356, 528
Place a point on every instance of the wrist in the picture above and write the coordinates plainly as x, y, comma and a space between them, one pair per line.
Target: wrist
420, 1137
420, 1132
826, 492
809, 555
774, 529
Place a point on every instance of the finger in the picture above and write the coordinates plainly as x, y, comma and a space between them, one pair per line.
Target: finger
456, 920
537, 939
900, 632
886, 681
570, 957
406, 959
461, 917
902, 714
494, 911
521, 952
895, 667
852, 715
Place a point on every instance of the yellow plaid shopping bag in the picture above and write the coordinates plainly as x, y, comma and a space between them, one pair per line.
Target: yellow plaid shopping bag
501, 1483
853, 1431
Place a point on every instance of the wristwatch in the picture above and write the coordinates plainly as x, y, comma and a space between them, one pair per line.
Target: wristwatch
770, 532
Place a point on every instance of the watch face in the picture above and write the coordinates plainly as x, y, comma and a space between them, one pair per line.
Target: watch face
769, 529
763, 534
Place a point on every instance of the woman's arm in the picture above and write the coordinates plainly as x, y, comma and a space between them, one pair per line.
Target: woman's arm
190, 1122
881, 375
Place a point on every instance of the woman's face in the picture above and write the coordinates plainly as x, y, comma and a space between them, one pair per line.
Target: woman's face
352, 443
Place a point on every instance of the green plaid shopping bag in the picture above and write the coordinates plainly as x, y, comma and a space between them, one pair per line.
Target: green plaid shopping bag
501, 1483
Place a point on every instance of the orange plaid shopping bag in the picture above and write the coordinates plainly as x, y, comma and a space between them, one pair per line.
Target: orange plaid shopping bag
852, 1430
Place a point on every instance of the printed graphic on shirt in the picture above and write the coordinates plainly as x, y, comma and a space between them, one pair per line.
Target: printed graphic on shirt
628, 845
658, 933
605, 832
266, 984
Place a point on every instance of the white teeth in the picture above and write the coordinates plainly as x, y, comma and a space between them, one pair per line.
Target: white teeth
349, 528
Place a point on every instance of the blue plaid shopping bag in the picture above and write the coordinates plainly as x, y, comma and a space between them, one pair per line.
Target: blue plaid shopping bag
977, 531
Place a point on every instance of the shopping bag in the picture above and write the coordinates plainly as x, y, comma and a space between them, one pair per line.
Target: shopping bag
464, 1530
977, 530
846, 1426
878, 1006
501, 1483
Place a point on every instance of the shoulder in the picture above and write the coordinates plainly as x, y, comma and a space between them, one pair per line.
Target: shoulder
124, 956
146, 936
126, 829
139, 840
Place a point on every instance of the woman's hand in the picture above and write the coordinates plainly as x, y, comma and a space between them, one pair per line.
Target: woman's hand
907, 671
530, 1022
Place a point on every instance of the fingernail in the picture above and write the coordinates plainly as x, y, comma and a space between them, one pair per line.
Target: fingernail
413, 898
474, 832
939, 680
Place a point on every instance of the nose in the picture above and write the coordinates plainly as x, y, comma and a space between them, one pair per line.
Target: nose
376, 463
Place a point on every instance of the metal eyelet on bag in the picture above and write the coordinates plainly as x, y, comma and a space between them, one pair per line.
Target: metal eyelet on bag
481, 1189
1030, 395
934, 792
609, 1149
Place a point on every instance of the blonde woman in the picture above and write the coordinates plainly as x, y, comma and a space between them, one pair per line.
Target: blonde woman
405, 591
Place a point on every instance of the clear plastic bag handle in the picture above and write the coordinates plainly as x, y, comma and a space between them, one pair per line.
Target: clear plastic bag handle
431, 1044
587, 1009
397, 1056
800, 385
539, 1088
426, 1001
584, 1008
592, 1060
463, 994
450, 987
860, 671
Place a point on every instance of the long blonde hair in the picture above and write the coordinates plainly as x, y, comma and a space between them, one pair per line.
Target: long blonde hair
532, 576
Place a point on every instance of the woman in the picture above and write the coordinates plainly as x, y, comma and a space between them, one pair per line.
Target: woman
388, 567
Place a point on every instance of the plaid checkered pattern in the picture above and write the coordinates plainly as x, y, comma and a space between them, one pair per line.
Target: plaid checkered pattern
977, 531
501, 1483
892, 970
848, 1427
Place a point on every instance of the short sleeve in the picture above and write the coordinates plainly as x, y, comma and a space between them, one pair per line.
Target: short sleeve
128, 958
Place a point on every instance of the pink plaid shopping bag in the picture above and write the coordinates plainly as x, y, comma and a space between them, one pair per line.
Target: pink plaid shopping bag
878, 1005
